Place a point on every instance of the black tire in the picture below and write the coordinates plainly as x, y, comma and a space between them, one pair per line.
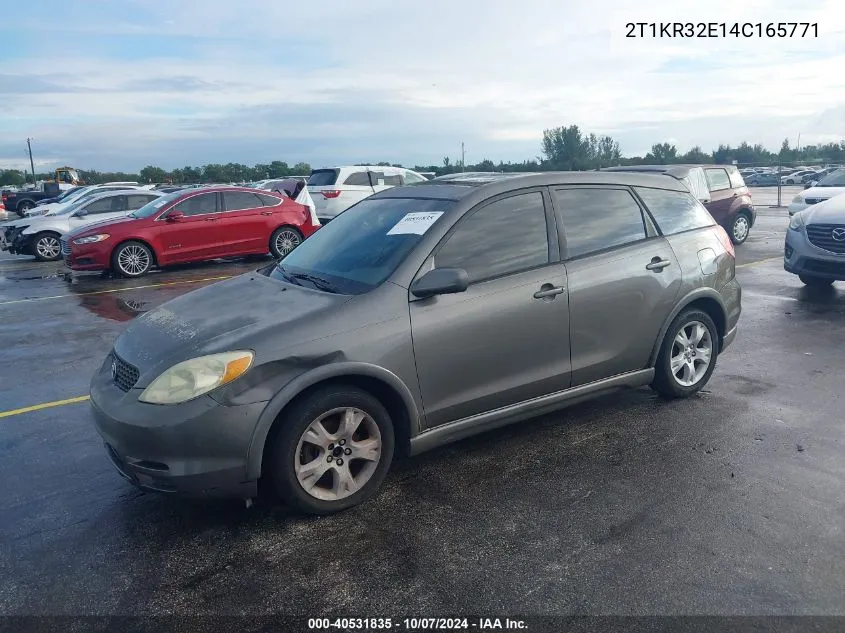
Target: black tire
740, 227
665, 383
24, 206
46, 247
282, 455
284, 240
121, 266
815, 282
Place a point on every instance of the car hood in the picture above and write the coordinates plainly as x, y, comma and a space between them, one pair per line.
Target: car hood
831, 211
93, 227
17, 222
250, 311
822, 192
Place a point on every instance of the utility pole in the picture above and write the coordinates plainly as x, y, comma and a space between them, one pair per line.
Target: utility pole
31, 163
798, 149
463, 156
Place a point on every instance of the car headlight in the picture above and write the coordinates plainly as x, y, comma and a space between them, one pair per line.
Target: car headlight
192, 378
796, 222
90, 239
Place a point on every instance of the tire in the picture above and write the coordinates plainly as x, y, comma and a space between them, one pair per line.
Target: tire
24, 206
46, 247
740, 228
132, 259
815, 282
319, 418
666, 382
284, 240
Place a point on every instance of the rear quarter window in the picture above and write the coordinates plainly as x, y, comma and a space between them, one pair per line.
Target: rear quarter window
358, 179
737, 181
675, 211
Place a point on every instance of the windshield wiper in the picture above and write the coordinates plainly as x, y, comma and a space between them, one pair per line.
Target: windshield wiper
319, 282
287, 276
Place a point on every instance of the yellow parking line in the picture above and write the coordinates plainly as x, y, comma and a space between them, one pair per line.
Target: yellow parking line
43, 405
760, 261
102, 292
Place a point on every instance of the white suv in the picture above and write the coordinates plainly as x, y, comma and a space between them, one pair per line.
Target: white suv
335, 190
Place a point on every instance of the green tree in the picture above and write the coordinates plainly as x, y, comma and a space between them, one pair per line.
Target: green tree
663, 154
566, 148
153, 174
279, 169
12, 177
301, 169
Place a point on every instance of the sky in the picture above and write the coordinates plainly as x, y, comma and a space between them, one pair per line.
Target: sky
120, 84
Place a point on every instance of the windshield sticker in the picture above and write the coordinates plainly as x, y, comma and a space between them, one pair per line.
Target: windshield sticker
415, 223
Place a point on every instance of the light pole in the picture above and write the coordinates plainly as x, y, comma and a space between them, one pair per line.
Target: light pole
31, 163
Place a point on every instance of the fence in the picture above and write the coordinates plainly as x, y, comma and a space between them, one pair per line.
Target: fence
773, 174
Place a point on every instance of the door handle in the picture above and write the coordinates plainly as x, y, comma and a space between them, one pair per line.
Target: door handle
549, 292
266, 213
658, 264
211, 219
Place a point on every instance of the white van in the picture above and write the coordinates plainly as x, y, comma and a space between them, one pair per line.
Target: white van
335, 190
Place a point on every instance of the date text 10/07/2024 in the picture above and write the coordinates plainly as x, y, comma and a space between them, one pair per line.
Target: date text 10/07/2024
416, 624
722, 29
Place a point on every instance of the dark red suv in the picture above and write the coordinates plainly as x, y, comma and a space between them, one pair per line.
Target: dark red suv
720, 188
192, 225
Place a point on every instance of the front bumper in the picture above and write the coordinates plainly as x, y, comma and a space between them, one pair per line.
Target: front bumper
802, 258
87, 257
197, 448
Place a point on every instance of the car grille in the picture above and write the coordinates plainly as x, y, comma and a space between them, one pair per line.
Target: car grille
12, 233
821, 235
824, 268
65, 247
813, 200
124, 375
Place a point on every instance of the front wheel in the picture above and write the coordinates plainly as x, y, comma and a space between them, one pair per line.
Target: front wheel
132, 259
332, 450
740, 228
687, 355
46, 247
815, 282
284, 240
23, 207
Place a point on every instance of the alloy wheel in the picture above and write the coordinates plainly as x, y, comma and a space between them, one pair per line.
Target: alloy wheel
48, 247
740, 228
692, 352
286, 241
133, 260
338, 454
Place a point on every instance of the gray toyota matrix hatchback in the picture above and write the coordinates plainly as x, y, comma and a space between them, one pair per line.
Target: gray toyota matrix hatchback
419, 316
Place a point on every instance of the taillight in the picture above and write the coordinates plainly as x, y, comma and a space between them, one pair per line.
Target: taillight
725, 239
331, 194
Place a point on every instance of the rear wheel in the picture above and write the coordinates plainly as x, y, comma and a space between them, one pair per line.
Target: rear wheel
284, 240
331, 451
687, 355
816, 282
46, 247
132, 259
740, 227
23, 207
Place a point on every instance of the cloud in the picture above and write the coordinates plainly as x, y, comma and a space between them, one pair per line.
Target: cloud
120, 85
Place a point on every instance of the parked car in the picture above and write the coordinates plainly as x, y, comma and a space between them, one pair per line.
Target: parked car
417, 317
720, 188
814, 247
191, 225
23, 200
4, 215
831, 185
795, 178
59, 198
335, 190
762, 179
80, 194
40, 236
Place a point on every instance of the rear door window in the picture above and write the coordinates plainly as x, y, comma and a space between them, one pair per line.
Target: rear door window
717, 178
322, 178
674, 211
598, 219
358, 179
106, 205
137, 201
239, 200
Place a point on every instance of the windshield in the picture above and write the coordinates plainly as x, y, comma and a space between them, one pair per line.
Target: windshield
154, 206
836, 179
322, 177
63, 197
75, 194
362, 246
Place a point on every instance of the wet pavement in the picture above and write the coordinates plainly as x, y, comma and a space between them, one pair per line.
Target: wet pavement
732, 502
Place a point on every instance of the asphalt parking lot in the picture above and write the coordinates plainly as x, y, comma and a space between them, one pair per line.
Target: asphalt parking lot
729, 503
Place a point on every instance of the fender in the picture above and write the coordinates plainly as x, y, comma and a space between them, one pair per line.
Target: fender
302, 382
698, 293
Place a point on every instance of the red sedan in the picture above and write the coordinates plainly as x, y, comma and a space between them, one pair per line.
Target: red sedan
190, 226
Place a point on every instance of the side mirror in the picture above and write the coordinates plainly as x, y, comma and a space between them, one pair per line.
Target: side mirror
440, 281
81, 213
174, 216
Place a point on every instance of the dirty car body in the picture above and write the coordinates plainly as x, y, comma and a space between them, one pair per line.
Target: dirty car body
558, 328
